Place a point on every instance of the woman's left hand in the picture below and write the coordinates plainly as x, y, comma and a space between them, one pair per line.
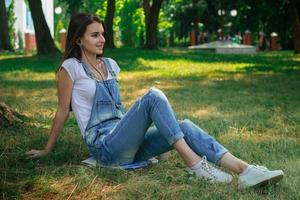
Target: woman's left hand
35, 153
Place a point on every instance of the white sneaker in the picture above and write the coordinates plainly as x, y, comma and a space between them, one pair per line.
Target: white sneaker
259, 176
206, 171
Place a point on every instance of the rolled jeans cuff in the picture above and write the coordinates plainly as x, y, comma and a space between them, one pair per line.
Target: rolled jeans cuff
179, 135
220, 155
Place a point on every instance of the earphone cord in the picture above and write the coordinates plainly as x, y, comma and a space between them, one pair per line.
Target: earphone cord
105, 84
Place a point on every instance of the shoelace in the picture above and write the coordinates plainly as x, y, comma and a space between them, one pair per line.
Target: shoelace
259, 167
207, 167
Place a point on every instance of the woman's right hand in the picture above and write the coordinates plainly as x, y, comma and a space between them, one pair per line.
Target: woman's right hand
36, 153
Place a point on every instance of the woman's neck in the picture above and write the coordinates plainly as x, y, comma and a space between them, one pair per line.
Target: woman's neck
90, 59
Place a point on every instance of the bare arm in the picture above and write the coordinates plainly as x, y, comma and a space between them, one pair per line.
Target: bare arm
65, 86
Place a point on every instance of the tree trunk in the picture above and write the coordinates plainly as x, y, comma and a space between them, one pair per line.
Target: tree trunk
44, 40
151, 21
109, 18
296, 25
4, 34
146, 6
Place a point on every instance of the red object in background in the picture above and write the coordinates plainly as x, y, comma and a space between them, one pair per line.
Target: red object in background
247, 38
62, 38
274, 38
30, 43
193, 37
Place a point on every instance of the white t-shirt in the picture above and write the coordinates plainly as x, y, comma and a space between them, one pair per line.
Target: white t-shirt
84, 89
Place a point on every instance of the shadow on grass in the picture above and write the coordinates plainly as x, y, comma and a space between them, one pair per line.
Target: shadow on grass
128, 59
274, 61
27, 84
275, 68
32, 63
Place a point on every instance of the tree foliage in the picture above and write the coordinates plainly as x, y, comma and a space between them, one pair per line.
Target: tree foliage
132, 24
255, 15
11, 21
152, 23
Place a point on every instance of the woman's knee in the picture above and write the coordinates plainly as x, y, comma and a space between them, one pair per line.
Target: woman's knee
156, 94
191, 131
186, 126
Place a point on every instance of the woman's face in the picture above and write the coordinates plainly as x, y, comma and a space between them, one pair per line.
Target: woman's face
93, 40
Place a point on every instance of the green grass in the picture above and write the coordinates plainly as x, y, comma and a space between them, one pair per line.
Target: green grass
250, 103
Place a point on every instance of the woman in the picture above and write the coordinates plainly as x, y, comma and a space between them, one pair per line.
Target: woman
87, 80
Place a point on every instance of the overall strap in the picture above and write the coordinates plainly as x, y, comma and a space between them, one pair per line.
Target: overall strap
107, 63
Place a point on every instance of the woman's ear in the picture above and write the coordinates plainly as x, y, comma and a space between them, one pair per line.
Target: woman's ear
78, 42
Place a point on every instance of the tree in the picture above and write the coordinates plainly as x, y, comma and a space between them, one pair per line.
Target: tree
109, 18
44, 40
295, 15
151, 21
128, 29
132, 24
73, 6
4, 34
187, 15
11, 23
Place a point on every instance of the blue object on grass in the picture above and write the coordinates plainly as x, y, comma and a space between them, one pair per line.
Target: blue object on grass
91, 162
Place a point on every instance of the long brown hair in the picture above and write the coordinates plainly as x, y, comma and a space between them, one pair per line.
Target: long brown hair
76, 29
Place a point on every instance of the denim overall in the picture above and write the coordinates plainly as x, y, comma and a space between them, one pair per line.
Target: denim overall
116, 138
